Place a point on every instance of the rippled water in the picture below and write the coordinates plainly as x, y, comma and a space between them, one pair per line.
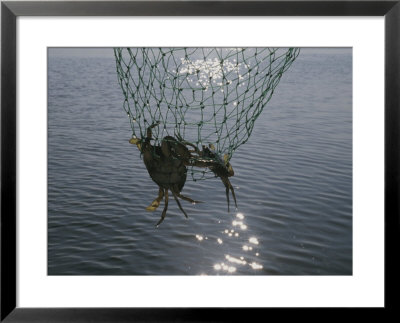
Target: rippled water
293, 181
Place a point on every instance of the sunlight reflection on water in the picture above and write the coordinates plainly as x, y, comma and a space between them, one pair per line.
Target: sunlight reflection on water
230, 264
300, 151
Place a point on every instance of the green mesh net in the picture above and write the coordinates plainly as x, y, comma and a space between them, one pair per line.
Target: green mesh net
208, 97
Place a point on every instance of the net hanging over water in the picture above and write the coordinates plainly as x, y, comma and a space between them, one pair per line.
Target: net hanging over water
208, 97
191, 108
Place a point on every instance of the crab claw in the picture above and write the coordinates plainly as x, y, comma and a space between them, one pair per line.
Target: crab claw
135, 141
156, 203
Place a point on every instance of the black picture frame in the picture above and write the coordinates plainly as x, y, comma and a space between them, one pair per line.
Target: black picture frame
10, 10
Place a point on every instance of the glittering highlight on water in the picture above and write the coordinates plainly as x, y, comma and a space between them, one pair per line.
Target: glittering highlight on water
255, 265
235, 260
224, 267
253, 240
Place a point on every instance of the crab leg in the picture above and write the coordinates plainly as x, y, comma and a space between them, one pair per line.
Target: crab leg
178, 194
228, 186
156, 203
149, 131
233, 193
165, 208
183, 197
227, 195
179, 203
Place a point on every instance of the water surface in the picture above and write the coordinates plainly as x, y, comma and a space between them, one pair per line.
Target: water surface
293, 181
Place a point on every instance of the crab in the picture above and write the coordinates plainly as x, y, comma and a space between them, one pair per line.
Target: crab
166, 165
209, 158
221, 168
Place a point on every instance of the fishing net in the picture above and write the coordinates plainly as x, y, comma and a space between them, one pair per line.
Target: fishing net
208, 97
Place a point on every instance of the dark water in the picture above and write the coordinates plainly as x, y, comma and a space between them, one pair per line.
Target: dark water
293, 181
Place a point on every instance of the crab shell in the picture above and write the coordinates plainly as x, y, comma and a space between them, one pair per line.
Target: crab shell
167, 172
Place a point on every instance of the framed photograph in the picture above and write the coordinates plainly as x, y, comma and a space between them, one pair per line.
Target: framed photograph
186, 160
